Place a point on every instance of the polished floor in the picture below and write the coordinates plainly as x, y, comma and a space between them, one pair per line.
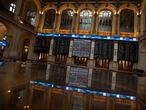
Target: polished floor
38, 86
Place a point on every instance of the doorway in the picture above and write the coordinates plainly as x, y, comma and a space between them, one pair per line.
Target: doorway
25, 49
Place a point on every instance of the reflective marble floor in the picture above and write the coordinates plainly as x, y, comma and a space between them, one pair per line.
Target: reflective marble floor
38, 86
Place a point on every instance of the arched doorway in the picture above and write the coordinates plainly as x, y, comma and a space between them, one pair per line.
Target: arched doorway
3, 32
25, 49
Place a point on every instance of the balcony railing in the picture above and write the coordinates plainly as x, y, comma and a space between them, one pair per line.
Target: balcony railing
48, 30
64, 31
127, 34
104, 33
86, 32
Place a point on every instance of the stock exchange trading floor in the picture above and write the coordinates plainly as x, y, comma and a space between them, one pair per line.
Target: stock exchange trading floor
37, 86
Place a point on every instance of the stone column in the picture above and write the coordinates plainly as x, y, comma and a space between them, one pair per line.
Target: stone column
138, 25
88, 100
18, 8
116, 25
48, 100
48, 71
133, 105
97, 25
68, 105
114, 63
67, 75
110, 105
90, 77
74, 23
51, 58
113, 80
44, 104
31, 54
70, 59
55, 23
77, 23
94, 24
91, 61
58, 21
40, 23
135, 24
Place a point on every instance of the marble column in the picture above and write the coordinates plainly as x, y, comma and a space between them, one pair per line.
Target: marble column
77, 23
91, 61
70, 60
113, 86
31, 54
110, 103
48, 71
74, 23
116, 24
68, 101
88, 101
90, 77
133, 105
114, 63
44, 104
40, 23
67, 75
58, 21
136, 25
51, 58
48, 100
94, 24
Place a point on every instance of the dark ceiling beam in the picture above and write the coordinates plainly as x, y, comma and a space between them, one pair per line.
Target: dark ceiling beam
90, 1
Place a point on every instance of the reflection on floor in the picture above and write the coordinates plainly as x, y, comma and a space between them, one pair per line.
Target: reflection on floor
67, 88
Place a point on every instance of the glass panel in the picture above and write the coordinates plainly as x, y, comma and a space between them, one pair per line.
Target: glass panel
105, 20
31, 12
85, 20
49, 19
127, 21
66, 19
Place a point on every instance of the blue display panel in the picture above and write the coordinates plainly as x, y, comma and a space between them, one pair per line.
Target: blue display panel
82, 90
117, 38
3, 43
78, 77
81, 48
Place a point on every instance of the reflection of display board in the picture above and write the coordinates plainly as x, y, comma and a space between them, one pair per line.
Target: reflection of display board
81, 48
42, 45
128, 51
61, 46
78, 76
104, 49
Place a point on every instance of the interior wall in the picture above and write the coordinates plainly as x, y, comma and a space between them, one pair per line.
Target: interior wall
142, 55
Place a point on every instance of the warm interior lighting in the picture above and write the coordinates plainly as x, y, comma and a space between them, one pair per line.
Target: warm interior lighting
21, 21
9, 91
41, 12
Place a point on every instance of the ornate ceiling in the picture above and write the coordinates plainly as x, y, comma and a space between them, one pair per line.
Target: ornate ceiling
93, 1
136, 2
